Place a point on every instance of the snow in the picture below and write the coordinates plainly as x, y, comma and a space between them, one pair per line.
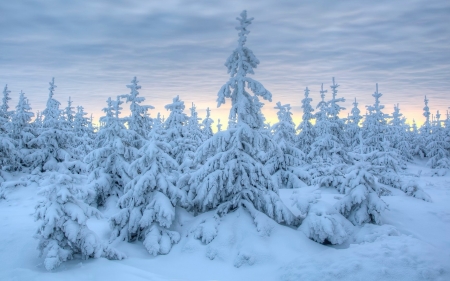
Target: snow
411, 244
148, 199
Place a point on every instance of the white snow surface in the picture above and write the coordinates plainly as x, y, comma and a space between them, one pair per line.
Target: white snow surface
412, 243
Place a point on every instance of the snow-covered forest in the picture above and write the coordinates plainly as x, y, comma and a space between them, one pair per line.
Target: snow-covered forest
159, 183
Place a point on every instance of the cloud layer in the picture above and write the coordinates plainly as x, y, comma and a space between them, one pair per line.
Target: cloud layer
94, 48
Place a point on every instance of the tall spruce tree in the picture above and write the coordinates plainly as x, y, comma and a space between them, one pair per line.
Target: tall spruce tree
231, 170
328, 155
306, 129
352, 127
53, 144
114, 150
286, 166
139, 120
21, 129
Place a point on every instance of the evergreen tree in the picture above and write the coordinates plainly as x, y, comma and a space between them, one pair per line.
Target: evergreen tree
219, 126
8, 154
424, 132
426, 127
178, 136
53, 144
114, 149
194, 132
69, 114
139, 120
306, 130
415, 140
328, 155
285, 166
5, 113
398, 134
437, 147
84, 134
37, 123
375, 125
232, 173
352, 129
149, 200
362, 203
21, 129
62, 231
206, 126
284, 130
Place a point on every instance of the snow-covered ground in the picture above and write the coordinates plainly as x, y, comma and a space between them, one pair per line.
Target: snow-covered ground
413, 243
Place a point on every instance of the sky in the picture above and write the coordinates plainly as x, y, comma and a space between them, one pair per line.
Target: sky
95, 48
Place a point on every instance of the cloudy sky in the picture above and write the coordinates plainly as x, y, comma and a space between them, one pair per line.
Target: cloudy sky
94, 48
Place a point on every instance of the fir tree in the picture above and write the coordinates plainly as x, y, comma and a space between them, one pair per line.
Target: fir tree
53, 145
8, 154
194, 132
206, 126
114, 149
437, 147
375, 125
139, 120
328, 154
21, 129
362, 203
62, 231
398, 134
285, 166
353, 128
84, 134
178, 136
306, 130
69, 114
149, 200
232, 173
4, 108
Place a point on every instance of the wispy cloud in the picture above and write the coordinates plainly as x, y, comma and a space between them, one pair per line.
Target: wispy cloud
94, 48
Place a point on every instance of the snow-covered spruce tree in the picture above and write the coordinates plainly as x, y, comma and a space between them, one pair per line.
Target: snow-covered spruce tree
139, 120
321, 221
62, 231
388, 164
194, 131
21, 129
415, 140
149, 202
37, 123
53, 144
328, 155
231, 172
9, 156
69, 114
84, 134
306, 129
206, 125
398, 134
375, 128
219, 126
447, 128
377, 146
424, 132
114, 149
178, 136
285, 166
437, 147
5, 113
362, 202
352, 127
426, 127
